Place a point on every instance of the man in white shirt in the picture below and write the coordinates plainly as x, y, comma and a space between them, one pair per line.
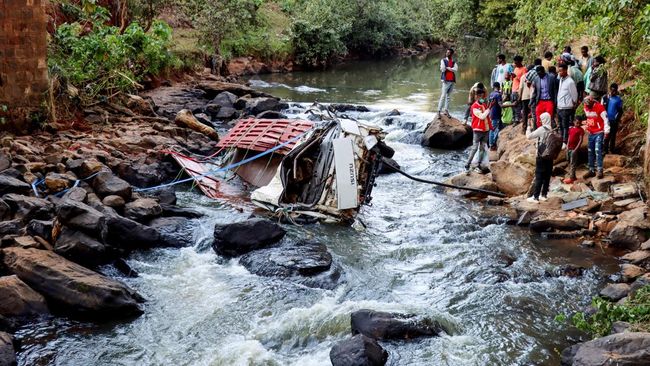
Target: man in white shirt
499, 71
567, 100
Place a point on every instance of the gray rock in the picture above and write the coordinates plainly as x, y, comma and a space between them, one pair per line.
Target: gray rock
271, 115
620, 327
173, 211
80, 248
12, 227
7, 352
349, 108
383, 325
258, 105
212, 110
5, 162
19, 300
626, 235
72, 288
42, 228
225, 99
175, 231
106, 184
80, 216
226, 113
75, 194
10, 184
615, 291
5, 210
126, 234
28, 208
447, 133
243, 237
358, 351
114, 201
621, 349
142, 209
554, 222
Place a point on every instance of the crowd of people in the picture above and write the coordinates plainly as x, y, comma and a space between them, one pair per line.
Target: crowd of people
544, 98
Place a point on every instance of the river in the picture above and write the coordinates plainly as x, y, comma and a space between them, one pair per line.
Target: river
423, 252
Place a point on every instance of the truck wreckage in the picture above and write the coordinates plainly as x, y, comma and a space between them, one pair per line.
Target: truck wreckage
324, 167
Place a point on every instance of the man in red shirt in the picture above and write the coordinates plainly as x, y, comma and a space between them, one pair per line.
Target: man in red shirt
481, 126
598, 128
576, 134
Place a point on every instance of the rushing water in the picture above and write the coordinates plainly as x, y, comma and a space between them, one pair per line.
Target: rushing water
423, 252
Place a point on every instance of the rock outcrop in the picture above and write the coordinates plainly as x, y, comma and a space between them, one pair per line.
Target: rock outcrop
383, 325
621, 349
447, 133
70, 287
358, 351
242, 237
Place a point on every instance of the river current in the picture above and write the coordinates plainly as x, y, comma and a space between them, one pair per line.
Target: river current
423, 252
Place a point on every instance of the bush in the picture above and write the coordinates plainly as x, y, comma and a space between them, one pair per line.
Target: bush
100, 60
635, 311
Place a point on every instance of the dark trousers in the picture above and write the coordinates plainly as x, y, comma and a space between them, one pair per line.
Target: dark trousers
543, 170
565, 119
525, 113
610, 141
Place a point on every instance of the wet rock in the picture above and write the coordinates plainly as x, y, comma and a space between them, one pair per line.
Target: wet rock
302, 259
91, 166
358, 351
447, 133
12, 227
80, 248
637, 257
80, 216
203, 118
603, 184
550, 222
164, 196
242, 237
473, 180
225, 99
258, 105
567, 270
383, 325
628, 349
121, 265
630, 272
271, 115
349, 108
172, 211
42, 228
126, 234
241, 102
107, 184
513, 179
212, 110
7, 352
213, 88
113, 201
28, 208
5, 210
71, 287
626, 235
18, 300
175, 231
392, 113
615, 291
386, 163
75, 194
226, 114
142, 209
56, 182
146, 175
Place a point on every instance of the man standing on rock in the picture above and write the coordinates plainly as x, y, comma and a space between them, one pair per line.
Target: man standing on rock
614, 105
545, 94
543, 166
499, 71
598, 128
567, 99
518, 77
481, 126
448, 69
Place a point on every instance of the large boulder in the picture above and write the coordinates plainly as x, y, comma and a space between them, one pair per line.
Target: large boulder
243, 237
620, 349
447, 133
627, 235
308, 263
10, 184
258, 105
555, 221
358, 351
383, 325
175, 231
72, 288
615, 291
225, 99
473, 180
28, 208
126, 234
106, 184
512, 178
19, 300
7, 352
80, 216
80, 248
142, 209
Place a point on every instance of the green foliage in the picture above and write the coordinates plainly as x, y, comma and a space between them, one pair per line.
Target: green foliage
635, 311
99, 59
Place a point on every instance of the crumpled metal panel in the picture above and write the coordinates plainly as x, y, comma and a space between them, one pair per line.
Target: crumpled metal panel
264, 134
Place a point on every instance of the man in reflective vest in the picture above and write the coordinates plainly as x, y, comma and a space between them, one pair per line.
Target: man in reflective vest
448, 69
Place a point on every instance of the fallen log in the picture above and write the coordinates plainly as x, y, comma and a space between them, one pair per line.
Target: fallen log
185, 118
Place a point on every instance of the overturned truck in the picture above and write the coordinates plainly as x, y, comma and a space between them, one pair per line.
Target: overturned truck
323, 168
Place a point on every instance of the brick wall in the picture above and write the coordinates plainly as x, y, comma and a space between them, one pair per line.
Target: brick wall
23, 51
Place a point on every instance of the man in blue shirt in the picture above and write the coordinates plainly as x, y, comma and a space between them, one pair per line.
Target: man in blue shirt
496, 101
614, 105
